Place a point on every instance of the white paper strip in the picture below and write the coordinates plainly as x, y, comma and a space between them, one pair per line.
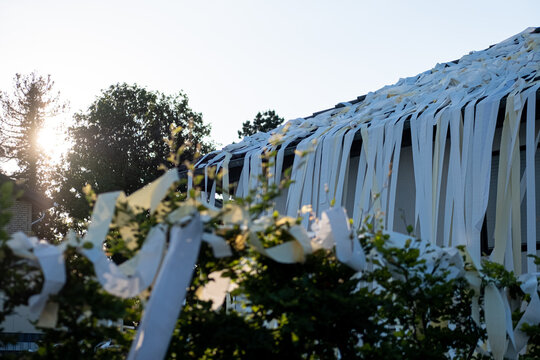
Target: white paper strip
495, 321
151, 195
51, 261
348, 249
163, 308
216, 289
141, 269
530, 175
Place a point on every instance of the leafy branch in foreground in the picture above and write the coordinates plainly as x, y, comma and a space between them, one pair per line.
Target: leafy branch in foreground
400, 306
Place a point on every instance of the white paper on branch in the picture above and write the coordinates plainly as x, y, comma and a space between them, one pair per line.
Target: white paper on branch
135, 275
215, 290
51, 260
495, 321
162, 310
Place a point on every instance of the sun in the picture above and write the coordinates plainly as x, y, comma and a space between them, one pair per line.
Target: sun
52, 140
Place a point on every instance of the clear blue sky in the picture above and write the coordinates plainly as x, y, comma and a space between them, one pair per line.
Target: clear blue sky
235, 58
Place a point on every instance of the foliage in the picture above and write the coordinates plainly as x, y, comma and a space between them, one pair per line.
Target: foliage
399, 308
533, 331
118, 143
315, 308
533, 351
53, 224
262, 122
318, 309
90, 314
429, 312
23, 113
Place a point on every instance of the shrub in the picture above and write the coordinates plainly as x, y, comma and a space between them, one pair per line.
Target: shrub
403, 305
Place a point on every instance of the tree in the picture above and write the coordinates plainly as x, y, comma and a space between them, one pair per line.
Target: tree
118, 143
264, 122
23, 113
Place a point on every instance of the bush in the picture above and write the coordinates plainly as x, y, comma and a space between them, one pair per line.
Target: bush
401, 306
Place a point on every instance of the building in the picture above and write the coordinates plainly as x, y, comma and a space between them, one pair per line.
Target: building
451, 151
23, 209
24, 212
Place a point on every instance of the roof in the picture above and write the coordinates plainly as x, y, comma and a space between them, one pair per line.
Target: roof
452, 113
511, 64
29, 195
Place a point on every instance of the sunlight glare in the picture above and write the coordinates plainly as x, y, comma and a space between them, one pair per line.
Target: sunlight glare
52, 140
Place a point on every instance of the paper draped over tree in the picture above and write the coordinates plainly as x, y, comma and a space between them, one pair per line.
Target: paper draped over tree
169, 266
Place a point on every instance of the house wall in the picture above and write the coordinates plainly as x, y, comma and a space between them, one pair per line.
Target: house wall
21, 217
18, 322
405, 192
21, 220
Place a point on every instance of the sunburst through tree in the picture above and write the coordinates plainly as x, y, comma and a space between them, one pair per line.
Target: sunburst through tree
23, 113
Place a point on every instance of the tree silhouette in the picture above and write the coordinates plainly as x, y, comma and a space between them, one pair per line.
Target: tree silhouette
118, 143
263, 122
21, 118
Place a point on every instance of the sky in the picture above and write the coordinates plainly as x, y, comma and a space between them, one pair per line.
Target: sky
236, 58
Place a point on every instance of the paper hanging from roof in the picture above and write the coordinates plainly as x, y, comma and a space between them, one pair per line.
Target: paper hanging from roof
452, 113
